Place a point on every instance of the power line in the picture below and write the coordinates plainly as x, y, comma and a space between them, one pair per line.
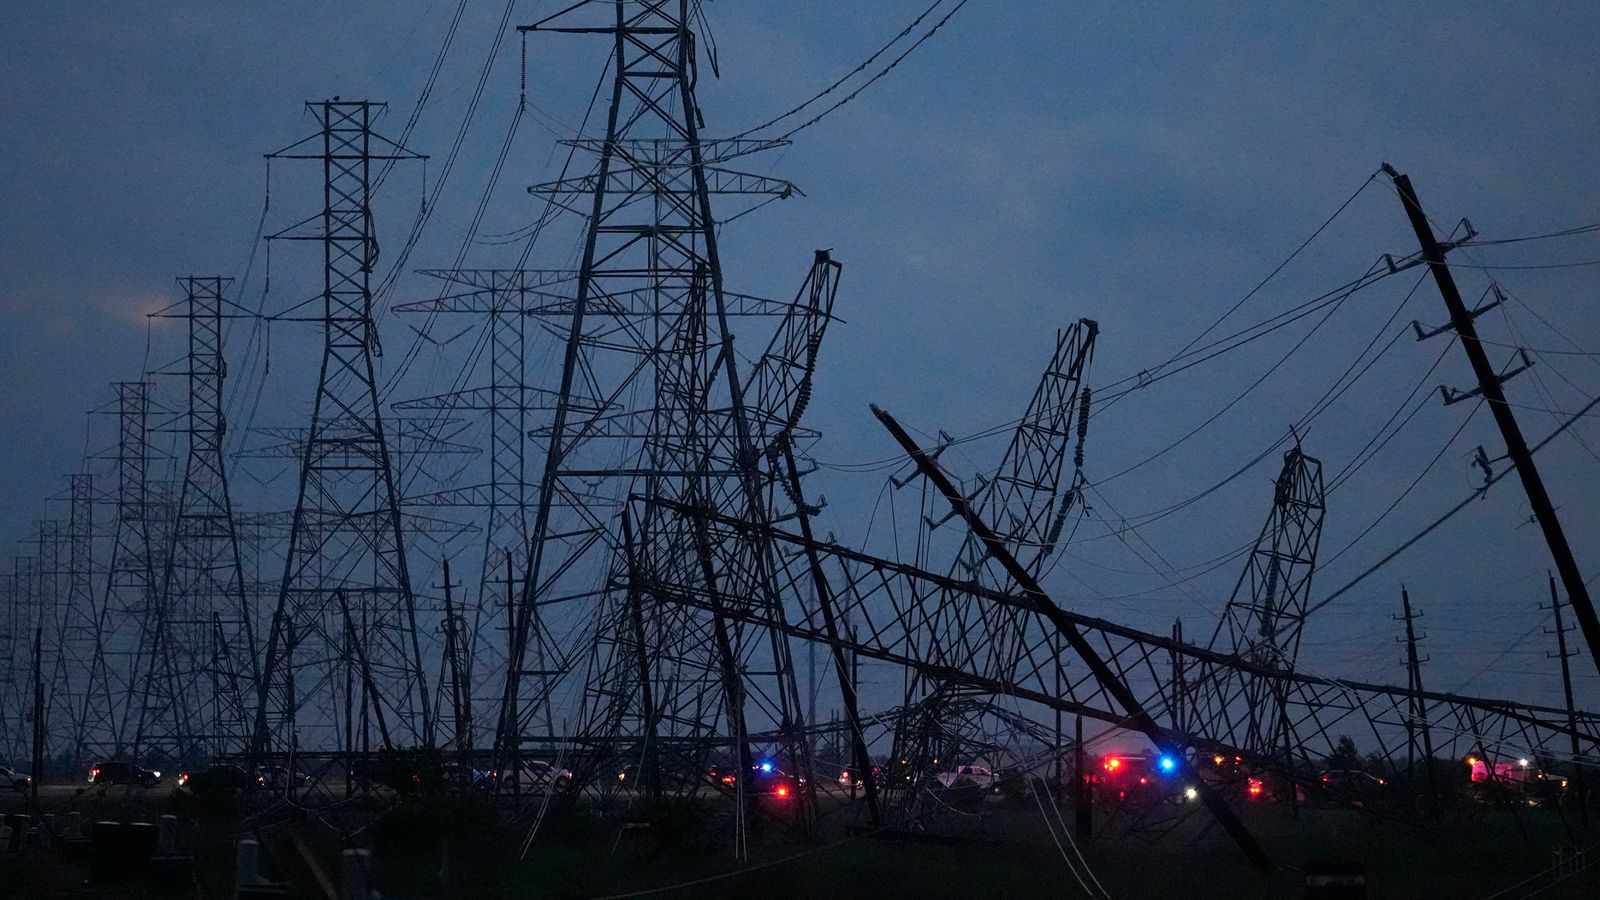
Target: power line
870, 82
1451, 512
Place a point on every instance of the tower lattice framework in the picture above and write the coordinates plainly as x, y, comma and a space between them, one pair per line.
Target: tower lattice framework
201, 644
652, 404
345, 621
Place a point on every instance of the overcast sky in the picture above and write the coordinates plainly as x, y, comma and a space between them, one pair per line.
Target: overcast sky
1144, 165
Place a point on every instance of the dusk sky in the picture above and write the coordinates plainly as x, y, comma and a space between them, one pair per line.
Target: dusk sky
1143, 165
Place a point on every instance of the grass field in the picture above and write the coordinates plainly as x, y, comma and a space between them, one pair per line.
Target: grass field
445, 847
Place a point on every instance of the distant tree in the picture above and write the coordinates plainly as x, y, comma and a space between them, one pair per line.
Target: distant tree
1344, 755
1377, 764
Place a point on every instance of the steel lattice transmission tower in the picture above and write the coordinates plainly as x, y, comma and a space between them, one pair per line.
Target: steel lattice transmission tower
651, 405
1028, 499
129, 597
18, 620
506, 298
1263, 619
80, 686
345, 581
204, 625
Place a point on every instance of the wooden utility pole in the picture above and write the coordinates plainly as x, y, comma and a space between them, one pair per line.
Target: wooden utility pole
1084, 791
1490, 386
39, 715
1572, 714
1419, 706
847, 681
460, 682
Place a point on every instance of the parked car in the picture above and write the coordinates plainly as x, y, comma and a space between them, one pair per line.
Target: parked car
978, 775
278, 778
536, 775
120, 772
848, 777
1352, 786
767, 780
15, 779
221, 778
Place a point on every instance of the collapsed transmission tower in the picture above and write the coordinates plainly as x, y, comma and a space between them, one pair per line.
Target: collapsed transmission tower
345, 583
1264, 616
1029, 499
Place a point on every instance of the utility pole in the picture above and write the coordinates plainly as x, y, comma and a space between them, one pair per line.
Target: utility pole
1179, 720
38, 714
1419, 707
1083, 791
847, 681
460, 686
1490, 386
1572, 716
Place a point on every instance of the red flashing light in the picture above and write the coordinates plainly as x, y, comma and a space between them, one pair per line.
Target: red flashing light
783, 791
1113, 764
1255, 788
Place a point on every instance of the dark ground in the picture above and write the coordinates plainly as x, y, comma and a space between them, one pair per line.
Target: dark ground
452, 847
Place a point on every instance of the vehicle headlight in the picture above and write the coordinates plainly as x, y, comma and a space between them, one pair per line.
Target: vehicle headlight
156, 774
1190, 793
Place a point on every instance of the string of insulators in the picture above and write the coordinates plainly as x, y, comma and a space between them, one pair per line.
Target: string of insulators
1061, 520
1083, 428
803, 394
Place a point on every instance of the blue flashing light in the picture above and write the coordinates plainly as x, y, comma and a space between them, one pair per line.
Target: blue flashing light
1167, 763
766, 766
